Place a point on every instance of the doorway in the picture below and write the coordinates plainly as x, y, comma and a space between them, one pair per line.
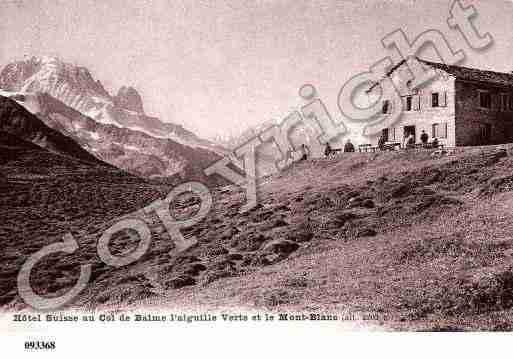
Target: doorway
410, 130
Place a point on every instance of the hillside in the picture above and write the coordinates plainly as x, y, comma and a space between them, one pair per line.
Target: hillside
45, 194
422, 240
16, 120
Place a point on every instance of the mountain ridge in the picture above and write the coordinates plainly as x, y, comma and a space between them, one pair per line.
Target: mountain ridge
18, 121
115, 128
75, 86
131, 150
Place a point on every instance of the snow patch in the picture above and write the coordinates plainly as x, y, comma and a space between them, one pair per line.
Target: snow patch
132, 148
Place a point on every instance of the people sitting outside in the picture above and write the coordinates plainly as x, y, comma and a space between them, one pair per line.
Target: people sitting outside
424, 138
327, 150
348, 147
305, 152
381, 143
409, 141
434, 143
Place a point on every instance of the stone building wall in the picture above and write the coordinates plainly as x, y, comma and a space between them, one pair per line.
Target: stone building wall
471, 118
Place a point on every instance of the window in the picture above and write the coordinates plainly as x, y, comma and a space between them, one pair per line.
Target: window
485, 99
384, 134
439, 130
505, 102
409, 102
434, 99
386, 106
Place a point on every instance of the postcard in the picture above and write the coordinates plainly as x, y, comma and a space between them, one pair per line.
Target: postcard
256, 177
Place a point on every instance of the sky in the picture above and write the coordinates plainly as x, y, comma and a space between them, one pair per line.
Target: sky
217, 67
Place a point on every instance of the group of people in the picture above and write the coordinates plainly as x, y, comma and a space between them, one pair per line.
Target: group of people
424, 138
409, 141
348, 147
328, 151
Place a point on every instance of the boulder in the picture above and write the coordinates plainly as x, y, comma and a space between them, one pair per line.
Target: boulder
281, 246
180, 282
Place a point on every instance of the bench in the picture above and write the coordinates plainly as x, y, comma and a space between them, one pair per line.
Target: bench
430, 145
332, 152
365, 147
390, 146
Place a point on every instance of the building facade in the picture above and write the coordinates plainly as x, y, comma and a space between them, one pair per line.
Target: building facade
460, 106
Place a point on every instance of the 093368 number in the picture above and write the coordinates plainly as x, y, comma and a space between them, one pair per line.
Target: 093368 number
39, 345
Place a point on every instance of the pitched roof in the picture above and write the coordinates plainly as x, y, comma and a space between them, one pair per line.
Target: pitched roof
471, 74
463, 73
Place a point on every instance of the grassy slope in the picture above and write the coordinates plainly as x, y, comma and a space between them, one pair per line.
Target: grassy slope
44, 195
425, 241
432, 251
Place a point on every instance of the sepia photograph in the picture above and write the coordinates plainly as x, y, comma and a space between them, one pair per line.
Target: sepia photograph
281, 176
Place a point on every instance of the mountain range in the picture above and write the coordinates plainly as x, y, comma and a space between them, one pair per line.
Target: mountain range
113, 128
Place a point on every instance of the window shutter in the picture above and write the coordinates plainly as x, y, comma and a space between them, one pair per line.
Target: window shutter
425, 100
443, 99
433, 130
416, 102
444, 129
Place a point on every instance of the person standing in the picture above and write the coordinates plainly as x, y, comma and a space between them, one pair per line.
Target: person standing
348, 147
305, 152
424, 138
328, 150
409, 141
381, 142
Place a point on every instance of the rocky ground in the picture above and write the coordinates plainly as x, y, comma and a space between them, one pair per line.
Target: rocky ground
423, 240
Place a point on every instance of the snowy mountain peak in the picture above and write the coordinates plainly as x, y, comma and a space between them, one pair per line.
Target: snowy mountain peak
52, 75
76, 87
